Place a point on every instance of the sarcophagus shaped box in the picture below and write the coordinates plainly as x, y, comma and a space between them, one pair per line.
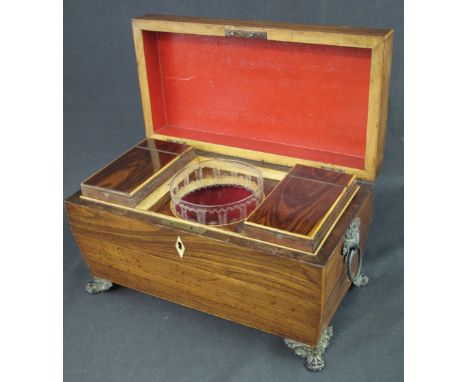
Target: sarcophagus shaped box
251, 196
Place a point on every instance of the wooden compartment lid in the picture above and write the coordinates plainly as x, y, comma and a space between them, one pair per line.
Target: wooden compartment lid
281, 93
304, 206
131, 177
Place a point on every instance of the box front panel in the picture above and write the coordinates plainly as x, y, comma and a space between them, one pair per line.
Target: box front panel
271, 293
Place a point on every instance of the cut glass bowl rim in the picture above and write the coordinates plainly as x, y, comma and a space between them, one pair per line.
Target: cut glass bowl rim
201, 162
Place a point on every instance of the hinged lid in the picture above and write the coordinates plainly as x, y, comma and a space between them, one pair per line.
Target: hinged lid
281, 93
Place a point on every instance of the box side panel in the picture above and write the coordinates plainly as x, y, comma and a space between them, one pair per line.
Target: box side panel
336, 281
275, 294
337, 294
335, 265
385, 95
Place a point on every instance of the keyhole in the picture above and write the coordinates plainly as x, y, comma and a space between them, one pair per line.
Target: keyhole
179, 245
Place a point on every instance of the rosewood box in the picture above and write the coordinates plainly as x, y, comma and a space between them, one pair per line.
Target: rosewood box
303, 106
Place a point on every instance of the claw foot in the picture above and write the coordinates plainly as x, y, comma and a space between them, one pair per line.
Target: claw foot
98, 285
313, 355
315, 362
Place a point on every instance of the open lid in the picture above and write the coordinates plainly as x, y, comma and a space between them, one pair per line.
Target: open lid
275, 92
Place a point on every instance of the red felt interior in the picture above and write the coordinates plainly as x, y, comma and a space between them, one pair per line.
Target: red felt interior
299, 100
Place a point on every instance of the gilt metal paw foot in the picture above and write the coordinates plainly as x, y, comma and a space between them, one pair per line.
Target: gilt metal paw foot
313, 355
98, 285
361, 280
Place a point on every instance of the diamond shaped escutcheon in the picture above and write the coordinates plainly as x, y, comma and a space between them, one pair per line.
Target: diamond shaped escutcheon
180, 246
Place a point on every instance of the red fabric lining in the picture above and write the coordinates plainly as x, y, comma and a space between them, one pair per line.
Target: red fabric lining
300, 100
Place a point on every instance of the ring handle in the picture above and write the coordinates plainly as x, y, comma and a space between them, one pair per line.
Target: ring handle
353, 251
350, 250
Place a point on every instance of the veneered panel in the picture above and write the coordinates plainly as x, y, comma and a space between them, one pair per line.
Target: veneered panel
297, 205
238, 301
304, 201
130, 170
135, 174
321, 175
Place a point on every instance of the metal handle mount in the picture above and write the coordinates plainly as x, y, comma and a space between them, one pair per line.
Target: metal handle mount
351, 249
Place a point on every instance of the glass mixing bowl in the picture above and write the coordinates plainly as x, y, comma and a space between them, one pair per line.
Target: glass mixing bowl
216, 191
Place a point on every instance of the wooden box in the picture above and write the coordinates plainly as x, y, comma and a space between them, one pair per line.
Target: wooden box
307, 106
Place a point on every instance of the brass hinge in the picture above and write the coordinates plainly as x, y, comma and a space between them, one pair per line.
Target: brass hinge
245, 34
332, 169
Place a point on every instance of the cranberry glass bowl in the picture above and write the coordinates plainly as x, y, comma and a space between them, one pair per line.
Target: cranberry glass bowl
216, 191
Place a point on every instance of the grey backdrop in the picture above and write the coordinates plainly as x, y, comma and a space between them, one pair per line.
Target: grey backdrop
128, 336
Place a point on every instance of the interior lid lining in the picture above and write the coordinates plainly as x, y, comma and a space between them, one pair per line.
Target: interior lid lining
269, 96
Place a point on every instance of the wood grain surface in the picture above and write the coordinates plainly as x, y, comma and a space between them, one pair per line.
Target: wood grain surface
336, 282
323, 29
334, 266
280, 293
341, 285
256, 288
132, 176
225, 297
163, 206
321, 175
129, 171
305, 204
296, 205
280, 246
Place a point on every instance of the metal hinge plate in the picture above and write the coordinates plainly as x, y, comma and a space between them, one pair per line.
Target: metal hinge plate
332, 169
245, 34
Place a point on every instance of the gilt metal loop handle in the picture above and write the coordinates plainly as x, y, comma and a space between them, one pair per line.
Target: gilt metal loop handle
349, 257
350, 250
